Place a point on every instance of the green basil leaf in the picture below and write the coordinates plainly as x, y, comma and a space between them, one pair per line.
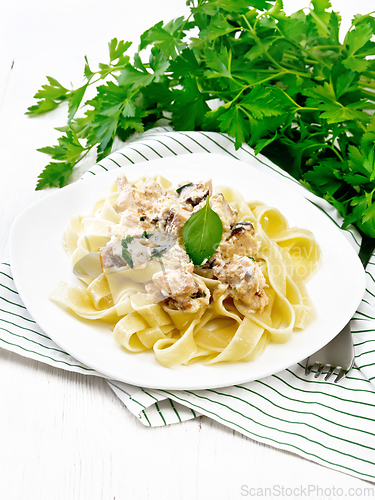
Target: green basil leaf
202, 234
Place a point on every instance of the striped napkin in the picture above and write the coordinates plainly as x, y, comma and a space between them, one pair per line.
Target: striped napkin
330, 424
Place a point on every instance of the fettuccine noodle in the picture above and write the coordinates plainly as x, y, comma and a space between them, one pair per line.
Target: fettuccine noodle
221, 319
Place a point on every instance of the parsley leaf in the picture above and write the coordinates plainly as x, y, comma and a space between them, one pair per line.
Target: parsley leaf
158, 252
166, 38
178, 190
125, 252
55, 174
235, 122
50, 97
190, 98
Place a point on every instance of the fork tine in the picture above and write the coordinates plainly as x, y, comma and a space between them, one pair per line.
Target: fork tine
319, 370
308, 367
335, 358
341, 375
330, 372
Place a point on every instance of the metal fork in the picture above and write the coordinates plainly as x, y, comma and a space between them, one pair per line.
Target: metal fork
339, 353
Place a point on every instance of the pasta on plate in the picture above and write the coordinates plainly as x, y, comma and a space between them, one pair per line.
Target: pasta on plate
133, 257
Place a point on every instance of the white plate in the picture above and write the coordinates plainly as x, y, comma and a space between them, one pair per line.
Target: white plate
39, 262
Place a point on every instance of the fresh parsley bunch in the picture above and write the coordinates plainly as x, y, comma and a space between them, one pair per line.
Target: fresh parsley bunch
288, 88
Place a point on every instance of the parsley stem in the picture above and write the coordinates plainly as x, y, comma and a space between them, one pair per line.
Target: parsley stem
370, 85
268, 55
305, 51
319, 21
368, 93
305, 108
290, 70
361, 125
181, 29
272, 77
291, 99
336, 153
304, 61
271, 59
246, 87
331, 147
257, 39
369, 73
317, 47
83, 155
